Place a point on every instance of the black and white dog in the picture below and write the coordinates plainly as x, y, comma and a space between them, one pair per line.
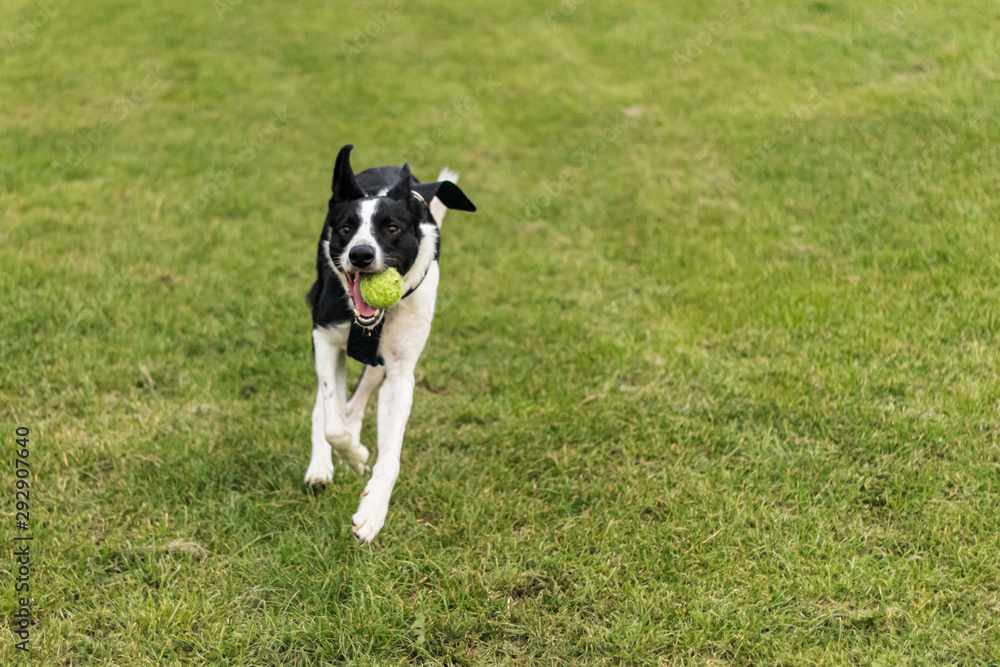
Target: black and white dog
377, 219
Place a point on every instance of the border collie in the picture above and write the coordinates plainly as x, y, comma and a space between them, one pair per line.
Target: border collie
377, 219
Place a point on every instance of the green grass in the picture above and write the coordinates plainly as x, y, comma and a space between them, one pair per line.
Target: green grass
713, 378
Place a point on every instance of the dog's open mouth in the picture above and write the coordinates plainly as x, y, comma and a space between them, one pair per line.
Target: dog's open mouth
364, 314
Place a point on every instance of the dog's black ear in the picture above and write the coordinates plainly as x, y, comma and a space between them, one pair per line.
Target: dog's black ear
344, 186
449, 194
402, 190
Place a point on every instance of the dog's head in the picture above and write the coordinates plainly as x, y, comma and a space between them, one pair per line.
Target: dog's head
379, 219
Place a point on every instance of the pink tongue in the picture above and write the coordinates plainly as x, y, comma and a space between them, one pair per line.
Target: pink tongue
359, 303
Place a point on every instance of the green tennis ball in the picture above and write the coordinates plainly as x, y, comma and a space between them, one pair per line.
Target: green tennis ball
382, 290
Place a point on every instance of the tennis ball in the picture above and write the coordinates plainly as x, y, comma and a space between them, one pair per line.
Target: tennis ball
382, 290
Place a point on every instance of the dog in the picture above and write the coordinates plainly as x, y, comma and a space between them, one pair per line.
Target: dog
377, 219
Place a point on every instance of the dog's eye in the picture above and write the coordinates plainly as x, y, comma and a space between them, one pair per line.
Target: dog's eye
392, 229
344, 230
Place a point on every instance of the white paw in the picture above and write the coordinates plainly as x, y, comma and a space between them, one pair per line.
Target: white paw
319, 472
370, 517
354, 456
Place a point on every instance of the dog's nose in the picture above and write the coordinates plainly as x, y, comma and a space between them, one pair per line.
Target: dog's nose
361, 255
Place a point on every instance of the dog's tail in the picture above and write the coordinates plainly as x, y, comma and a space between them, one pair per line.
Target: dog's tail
437, 208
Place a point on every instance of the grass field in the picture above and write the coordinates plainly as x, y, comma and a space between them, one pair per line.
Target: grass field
713, 378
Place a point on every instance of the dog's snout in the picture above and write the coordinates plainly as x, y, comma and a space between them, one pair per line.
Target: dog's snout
361, 255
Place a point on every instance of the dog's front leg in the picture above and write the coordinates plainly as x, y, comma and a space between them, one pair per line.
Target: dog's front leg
320, 470
329, 426
328, 413
394, 402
